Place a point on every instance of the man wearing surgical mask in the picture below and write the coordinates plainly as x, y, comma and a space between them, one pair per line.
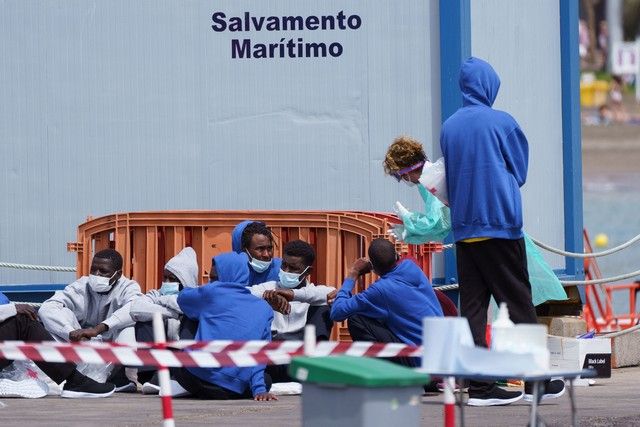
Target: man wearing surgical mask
296, 301
180, 272
94, 306
255, 239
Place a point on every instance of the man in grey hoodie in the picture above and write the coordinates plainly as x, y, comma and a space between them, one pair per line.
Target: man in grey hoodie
94, 306
180, 272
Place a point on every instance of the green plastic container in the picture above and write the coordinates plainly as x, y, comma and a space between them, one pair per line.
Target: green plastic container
357, 391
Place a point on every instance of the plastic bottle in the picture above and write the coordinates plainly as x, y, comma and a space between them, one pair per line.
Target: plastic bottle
501, 328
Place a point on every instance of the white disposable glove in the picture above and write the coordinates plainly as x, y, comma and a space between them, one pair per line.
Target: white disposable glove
398, 232
400, 210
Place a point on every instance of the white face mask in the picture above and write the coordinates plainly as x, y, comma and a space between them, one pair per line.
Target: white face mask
169, 288
100, 284
290, 280
258, 265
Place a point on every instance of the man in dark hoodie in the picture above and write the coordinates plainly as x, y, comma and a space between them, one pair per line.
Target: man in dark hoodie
254, 239
392, 308
486, 160
222, 309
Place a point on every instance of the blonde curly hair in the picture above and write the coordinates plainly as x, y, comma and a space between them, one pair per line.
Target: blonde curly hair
404, 152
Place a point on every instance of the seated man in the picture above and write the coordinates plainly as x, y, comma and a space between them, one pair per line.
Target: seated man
180, 272
225, 310
298, 301
254, 238
19, 322
95, 305
392, 308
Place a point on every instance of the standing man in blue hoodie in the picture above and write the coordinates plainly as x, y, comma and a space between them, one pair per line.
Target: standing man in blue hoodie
226, 310
486, 158
392, 308
255, 239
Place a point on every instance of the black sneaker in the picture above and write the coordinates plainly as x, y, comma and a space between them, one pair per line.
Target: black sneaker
122, 383
552, 389
493, 397
79, 386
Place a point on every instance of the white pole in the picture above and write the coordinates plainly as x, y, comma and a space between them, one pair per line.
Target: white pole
163, 374
309, 340
637, 69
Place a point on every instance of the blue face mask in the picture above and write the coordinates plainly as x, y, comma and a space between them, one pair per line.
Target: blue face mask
258, 265
169, 288
290, 280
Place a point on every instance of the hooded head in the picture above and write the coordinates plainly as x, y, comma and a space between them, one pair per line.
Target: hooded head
236, 236
231, 267
479, 82
185, 267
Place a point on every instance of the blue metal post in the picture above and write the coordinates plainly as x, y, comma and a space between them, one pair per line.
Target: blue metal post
455, 48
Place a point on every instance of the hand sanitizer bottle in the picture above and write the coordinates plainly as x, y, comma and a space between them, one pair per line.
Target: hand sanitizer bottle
500, 329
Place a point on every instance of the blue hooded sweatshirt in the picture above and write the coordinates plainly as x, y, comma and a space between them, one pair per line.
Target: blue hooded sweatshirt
270, 274
3, 299
486, 157
401, 299
222, 309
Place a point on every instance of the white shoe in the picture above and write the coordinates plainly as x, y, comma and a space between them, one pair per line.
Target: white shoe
284, 389
150, 388
177, 390
27, 388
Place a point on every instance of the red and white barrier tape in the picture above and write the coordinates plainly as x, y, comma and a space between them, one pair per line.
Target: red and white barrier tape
212, 354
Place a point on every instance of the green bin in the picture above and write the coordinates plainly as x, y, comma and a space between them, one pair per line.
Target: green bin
357, 391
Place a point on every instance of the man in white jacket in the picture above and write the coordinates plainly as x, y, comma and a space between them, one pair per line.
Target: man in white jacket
296, 301
94, 306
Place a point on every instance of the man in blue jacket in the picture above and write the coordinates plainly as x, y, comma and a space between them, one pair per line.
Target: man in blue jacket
255, 239
486, 160
392, 308
226, 310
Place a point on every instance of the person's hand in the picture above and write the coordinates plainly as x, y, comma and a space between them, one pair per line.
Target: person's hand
400, 209
331, 296
285, 293
277, 302
360, 267
27, 310
265, 397
87, 333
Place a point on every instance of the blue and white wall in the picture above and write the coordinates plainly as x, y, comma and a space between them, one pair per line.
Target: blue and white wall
110, 106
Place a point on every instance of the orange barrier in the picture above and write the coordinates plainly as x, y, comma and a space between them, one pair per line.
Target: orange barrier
598, 307
147, 240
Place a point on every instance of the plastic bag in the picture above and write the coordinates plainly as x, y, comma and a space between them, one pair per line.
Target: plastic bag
25, 369
97, 372
432, 225
434, 179
545, 285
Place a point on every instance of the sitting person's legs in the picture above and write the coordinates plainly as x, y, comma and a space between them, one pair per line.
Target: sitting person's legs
21, 327
319, 316
362, 328
206, 390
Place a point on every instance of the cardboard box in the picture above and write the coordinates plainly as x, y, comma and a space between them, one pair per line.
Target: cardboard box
572, 353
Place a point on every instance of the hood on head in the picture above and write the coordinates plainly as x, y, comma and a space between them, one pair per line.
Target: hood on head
185, 267
236, 235
232, 267
479, 82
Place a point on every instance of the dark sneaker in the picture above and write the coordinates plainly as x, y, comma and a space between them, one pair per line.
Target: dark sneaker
122, 382
493, 397
79, 386
551, 390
